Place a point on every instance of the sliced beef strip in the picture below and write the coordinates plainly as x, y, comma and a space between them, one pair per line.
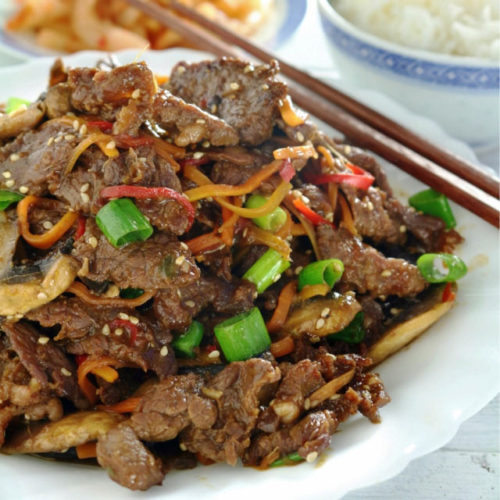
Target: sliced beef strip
246, 97
372, 393
45, 361
83, 331
153, 264
57, 100
236, 391
107, 93
224, 172
127, 460
172, 405
188, 124
35, 160
366, 269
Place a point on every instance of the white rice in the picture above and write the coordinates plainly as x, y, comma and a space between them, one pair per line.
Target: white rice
460, 27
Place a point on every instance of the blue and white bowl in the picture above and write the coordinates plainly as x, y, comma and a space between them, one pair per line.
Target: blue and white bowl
460, 93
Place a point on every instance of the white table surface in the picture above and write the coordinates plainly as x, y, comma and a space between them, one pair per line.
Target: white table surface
468, 466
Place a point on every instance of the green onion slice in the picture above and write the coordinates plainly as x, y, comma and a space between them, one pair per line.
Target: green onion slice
122, 222
184, 344
14, 103
131, 293
431, 202
270, 222
327, 271
354, 333
7, 198
290, 459
243, 336
441, 267
267, 270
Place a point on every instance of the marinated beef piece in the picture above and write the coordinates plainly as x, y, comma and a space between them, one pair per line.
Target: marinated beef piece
318, 200
188, 124
14, 124
236, 391
153, 264
366, 269
307, 131
172, 405
58, 73
58, 100
45, 362
86, 329
127, 460
107, 93
246, 97
9, 233
224, 172
373, 318
36, 159
372, 393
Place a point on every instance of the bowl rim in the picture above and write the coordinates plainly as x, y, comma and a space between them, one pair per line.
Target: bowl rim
335, 18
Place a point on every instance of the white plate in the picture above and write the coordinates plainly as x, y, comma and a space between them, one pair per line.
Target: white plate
275, 31
442, 379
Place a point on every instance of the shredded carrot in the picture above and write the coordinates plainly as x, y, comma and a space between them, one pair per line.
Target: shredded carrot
226, 230
347, 219
107, 373
208, 242
162, 146
298, 230
304, 152
281, 312
260, 236
282, 347
212, 190
86, 450
308, 227
88, 366
327, 156
333, 190
46, 240
102, 141
126, 406
286, 229
83, 293
289, 115
312, 290
161, 79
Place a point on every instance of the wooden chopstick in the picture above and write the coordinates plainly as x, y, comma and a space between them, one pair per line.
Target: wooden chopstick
467, 194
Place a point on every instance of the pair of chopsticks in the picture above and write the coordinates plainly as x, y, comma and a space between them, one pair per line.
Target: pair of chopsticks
463, 182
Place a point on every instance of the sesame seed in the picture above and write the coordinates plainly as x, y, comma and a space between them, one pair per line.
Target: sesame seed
311, 457
58, 139
164, 351
213, 108
307, 404
7, 174
184, 246
112, 291
265, 86
65, 372
83, 129
201, 121
111, 145
14, 157
183, 447
314, 339
190, 303
300, 136
181, 69
9, 183
248, 68
214, 354
69, 137
106, 330
84, 188
133, 320
277, 278
23, 189
329, 216
92, 241
325, 312
123, 315
85, 197
50, 141
118, 332
136, 94
402, 229
180, 260
369, 205
320, 323
395, 310
234, 86
206, 144
41, 296
198, 155
298, 269
386, 273
43, 340
20, 109
76, 124
348, 150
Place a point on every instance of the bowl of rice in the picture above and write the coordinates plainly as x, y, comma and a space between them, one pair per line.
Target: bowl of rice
441, 59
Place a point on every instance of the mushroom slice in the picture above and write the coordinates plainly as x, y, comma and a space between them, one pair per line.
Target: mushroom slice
73, 430
322, 316
9, 234
19, 298
21, 121
415, 322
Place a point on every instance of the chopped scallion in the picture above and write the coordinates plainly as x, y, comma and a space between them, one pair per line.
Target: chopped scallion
7, 198
184, 344
243, 336
290, 459
267, 270
441, 267
327, 271
14, 103
270, 222
431, 202
354, 333
122, 222
131, 293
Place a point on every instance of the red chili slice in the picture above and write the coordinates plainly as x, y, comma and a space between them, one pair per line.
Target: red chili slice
102, 125
310, 214
80, 228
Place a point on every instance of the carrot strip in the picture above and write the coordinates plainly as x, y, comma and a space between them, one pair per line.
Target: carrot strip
107, 373
333, 190
102, 141
83, 293
126, 406
347, 219
86, 450
226, 230
289, 115
46, 240
298, 230
327, 156
88, 366
162, 146
285, 300
308, 227
255, 234
208, 242
312, 290
250, 185
304, 152
286, 229
282, 347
